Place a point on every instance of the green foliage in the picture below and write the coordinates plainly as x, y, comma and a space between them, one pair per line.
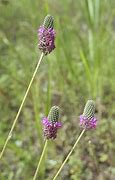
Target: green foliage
80, 68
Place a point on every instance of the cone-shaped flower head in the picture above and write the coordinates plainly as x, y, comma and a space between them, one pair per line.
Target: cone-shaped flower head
87, 119
48, 22
51, 123
46, 35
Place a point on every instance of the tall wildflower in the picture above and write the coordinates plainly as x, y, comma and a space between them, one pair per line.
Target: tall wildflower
50, 128
87, 122
46, 45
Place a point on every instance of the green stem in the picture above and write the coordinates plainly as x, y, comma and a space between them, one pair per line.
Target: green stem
21, 106
41, 157
59, 170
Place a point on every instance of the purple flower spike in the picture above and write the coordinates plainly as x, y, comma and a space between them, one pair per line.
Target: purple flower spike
46, 35
87, 119
88, 123
50, 128
51, 123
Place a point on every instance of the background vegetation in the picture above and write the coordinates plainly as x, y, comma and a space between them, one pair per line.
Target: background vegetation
80, 68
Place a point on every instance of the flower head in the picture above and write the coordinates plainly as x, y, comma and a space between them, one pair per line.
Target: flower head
51, 124
87, 119
46, 35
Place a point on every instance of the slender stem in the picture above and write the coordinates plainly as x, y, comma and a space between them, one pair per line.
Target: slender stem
81, 134
41, 157
20, 108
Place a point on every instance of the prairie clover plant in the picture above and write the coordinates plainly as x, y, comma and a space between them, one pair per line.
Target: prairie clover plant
87, 119
51, 123
87, 122
46, 35
50, 128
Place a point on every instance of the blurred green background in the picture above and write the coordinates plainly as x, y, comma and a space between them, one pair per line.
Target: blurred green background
80, 68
